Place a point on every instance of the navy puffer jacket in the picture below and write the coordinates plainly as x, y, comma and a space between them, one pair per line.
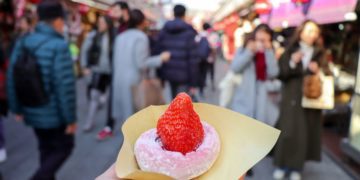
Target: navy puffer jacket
178, 37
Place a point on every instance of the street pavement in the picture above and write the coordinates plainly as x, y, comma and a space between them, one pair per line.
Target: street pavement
91, 157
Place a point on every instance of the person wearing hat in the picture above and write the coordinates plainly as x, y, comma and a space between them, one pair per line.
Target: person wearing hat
54, 122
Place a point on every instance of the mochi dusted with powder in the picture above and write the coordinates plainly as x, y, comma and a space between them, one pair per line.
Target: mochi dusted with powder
182, 146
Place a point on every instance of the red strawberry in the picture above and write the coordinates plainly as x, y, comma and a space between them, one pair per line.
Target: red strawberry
179, 128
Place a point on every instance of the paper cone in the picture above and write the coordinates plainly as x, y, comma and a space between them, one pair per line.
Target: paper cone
244, 142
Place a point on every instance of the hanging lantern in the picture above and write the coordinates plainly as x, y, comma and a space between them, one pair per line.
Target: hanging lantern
262, 7
83, 9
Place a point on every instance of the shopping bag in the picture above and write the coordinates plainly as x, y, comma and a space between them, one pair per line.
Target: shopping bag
326, 99
147, 92
227, 87
312, 86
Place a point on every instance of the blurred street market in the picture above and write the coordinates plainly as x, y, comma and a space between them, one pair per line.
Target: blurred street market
73, 71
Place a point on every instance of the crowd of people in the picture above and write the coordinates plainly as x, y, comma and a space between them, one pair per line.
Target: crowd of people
118, 54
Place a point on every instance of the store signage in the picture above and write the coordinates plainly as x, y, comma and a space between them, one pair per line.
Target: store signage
262, 7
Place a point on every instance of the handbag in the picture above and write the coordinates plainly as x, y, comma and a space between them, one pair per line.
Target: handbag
312, 86
147, 92
94, 51
326, 98
227, 87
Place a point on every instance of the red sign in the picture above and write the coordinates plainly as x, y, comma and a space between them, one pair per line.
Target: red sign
300, 1
262, 6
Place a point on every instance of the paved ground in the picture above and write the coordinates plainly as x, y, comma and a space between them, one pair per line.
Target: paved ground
91, 157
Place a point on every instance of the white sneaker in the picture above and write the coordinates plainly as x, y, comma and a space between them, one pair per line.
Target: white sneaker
2, 155
279, 174
294, 175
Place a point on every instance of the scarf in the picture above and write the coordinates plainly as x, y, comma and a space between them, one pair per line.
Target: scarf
260, 65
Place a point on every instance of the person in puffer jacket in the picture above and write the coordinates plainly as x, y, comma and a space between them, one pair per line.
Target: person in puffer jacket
54, 122
178, 37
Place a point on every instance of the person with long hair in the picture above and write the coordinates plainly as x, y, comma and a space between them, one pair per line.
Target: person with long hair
257, 64
119, 12
131, 58
25, 25
300, 127
96, 58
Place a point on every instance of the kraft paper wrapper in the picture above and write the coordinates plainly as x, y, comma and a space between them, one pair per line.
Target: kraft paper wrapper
244, 142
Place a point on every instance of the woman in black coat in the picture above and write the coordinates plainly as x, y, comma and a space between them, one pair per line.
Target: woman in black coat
300, 127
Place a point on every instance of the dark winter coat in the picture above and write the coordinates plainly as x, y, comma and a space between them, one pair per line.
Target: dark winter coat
300, 128
178, 37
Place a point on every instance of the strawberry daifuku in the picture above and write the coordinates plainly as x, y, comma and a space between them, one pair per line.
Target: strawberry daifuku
179, 128
182, 146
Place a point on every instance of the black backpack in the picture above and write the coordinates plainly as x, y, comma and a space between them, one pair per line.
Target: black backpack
204, 49
94, 51
29, 87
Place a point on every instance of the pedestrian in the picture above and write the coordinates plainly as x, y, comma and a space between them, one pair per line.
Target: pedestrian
46, 102
131, 58
257, 64
96, 58
120, 14
204, 52
119, 11
214, 40
25, 26
300, 128
178, 37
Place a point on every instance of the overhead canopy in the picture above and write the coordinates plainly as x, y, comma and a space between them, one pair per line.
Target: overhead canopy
322, 11
229, 7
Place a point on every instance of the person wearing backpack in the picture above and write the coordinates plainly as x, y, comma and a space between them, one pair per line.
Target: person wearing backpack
46, 102
96, 54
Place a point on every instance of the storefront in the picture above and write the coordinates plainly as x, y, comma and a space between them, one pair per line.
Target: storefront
228, 20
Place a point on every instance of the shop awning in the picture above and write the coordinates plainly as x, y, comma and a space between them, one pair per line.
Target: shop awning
322, 11
229, 7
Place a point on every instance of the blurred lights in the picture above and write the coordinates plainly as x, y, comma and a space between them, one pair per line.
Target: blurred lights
247, 27
350, 16
257, 21
341, 27
285, 24
280, 38
276, 3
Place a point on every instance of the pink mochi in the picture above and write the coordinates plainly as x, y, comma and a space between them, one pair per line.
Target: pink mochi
152, 157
